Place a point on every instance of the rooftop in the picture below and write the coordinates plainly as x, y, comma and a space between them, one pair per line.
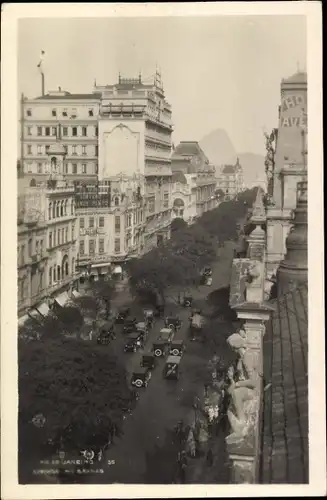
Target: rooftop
299, 77
285, 421
68, 96
187, 148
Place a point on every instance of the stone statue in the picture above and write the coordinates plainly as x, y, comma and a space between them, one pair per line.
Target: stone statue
243, 392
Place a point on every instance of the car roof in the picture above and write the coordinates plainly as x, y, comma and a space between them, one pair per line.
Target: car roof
140, 371
173, 359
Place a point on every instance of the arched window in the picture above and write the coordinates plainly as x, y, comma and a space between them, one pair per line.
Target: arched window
58, 209
22, 288
58, 273
116, 201
41, 280
73, 265
65, 210
33, 183
50, 276
50, 210
53, 162
72, 208
54, 210
66, 268
54, 274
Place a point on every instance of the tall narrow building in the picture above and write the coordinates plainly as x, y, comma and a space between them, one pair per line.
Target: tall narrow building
135, 130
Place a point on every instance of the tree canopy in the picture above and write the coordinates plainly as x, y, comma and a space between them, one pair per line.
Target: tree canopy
78, 387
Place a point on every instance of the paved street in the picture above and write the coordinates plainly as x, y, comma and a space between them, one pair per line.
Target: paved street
145, 453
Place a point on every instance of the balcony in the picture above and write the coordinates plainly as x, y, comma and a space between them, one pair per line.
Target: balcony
154, 170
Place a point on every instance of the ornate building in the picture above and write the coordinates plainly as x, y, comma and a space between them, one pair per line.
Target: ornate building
47, 221
231, 180
183, 198
111, 225
286, 165
189, 160
135, 131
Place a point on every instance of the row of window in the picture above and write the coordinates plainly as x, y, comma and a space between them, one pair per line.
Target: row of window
73, 168
58, 273
92, 247
71, 150
21, 250
60, 209
65, 112
62, 131
137, 217
60, 236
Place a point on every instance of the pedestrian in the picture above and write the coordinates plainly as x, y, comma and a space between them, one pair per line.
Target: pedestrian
206, 386
210, 458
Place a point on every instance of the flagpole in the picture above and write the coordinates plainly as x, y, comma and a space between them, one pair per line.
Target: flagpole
42, 83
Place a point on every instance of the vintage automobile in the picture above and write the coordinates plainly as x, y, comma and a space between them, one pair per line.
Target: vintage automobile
141, 326
129, 325
141, 377
104, 338
171, 369
177, 347
133, 342
148, 361
207, 271
187, 301
159, 348
122, 315
173, 322
166, 334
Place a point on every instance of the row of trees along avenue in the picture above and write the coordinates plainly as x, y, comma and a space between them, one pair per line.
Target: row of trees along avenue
73, 392
175, 265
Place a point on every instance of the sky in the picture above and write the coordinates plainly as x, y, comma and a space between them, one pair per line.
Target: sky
218, 71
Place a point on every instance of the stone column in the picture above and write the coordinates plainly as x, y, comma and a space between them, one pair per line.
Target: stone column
243, 443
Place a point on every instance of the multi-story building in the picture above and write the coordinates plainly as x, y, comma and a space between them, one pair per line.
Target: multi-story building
111, 222
71, 118
135, 131
231, 180
189, 159
286, 165
47, 248
183, 198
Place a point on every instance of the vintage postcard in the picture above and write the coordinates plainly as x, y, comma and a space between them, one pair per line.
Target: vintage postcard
162, 224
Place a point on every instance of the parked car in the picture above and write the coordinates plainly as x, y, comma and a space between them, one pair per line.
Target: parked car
141, 377
187, 301
133, 342
166, 334
121, 315
129, 325
177, 347
159, 348
173, 322
148, 361
171, 370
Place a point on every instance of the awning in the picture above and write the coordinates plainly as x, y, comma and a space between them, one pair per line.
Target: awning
43, 308
22, 320
76, 294
117, 270
62, 299
101, 265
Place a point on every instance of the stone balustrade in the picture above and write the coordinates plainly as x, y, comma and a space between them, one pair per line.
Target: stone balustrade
246, 382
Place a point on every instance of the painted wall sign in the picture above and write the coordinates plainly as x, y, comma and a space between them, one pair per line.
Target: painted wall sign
294, 121
292, 101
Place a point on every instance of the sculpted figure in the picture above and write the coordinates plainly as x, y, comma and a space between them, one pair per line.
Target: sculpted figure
243, 391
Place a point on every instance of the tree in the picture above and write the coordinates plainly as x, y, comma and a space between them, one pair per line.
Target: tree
103, 291
195, 244
70, 391
177, 225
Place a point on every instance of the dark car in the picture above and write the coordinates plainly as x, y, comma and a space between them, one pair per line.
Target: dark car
141, 377
177, 347
129, 325
159, 348
187, 301
173, 322
207, 271
171, 369
121, 315
148, 361
133, 342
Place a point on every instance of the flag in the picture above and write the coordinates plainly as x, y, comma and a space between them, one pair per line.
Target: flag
41, 59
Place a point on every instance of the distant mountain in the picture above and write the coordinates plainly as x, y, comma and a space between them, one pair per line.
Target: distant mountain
253, 168
220, 151
219, 148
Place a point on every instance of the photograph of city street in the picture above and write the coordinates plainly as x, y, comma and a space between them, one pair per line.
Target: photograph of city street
162, 272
